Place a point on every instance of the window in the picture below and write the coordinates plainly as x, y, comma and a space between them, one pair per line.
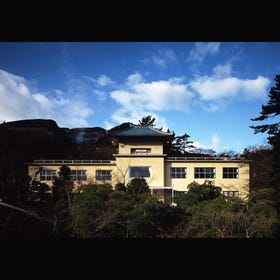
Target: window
47, 175
204, 172
103, 175
231, 193
139, 171
178, 172
230, 172
140, 151
78, 175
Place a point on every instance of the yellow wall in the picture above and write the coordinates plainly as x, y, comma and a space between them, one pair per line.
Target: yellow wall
156, 147
240, 184
156, 164
32, 169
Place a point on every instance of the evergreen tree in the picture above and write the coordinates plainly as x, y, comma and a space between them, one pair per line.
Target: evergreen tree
148, 120
272, 110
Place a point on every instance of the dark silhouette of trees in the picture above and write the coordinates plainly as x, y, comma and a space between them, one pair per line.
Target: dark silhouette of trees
270, 111
148, 120
181, 146
260, 166
62, 196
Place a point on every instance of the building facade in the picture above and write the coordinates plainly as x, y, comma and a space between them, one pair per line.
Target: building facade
141, 153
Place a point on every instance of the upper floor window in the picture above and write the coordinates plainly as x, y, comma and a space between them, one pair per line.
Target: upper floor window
103, 175
140, 151
47, 175
78, 175
204, 172
178, 172
139, 171
230, 172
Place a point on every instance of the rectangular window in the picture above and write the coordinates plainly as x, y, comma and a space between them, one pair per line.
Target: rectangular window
140, 151
230, 172
231, 193
204, 172
47, 175
139, 172
78, 175
178, 172
103, 175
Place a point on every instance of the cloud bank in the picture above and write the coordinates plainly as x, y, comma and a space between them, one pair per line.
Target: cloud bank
19, 100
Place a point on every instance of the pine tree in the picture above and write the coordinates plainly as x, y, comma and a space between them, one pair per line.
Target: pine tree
269, 111
148, 120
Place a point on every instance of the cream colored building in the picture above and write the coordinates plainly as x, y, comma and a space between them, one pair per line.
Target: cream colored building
140, 153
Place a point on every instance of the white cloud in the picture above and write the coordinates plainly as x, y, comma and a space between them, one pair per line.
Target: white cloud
103, 81
20, 101
214, 144
101, 95
122, 115
201, 50
134, 79
159, 61
139, 97
212, 88
222, 71
162, 58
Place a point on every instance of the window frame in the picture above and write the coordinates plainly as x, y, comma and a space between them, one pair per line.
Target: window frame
182, 174
51, 176
103, 177
234, 172
78, 177
149, 169
198, 174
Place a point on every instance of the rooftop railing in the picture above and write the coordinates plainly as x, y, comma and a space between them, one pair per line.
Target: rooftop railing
72, 161
203, 158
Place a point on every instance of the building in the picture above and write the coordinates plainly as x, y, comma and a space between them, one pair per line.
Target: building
141, 153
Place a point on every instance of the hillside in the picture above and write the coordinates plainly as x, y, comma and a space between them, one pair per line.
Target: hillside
43, 138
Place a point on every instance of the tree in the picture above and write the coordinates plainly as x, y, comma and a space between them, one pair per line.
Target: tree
180, 146
197, 193
272, 110
63, 197
63, 186
260, 166
148, 120
120, 187
137, 186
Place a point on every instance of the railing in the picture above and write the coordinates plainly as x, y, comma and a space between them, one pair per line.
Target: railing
71, 161
202, 158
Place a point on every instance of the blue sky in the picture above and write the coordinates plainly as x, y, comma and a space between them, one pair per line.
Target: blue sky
209, 90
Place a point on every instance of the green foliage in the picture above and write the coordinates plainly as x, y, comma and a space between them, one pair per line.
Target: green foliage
137, 186
88, 210
120, 187
154, 219
197, 193
99, 212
